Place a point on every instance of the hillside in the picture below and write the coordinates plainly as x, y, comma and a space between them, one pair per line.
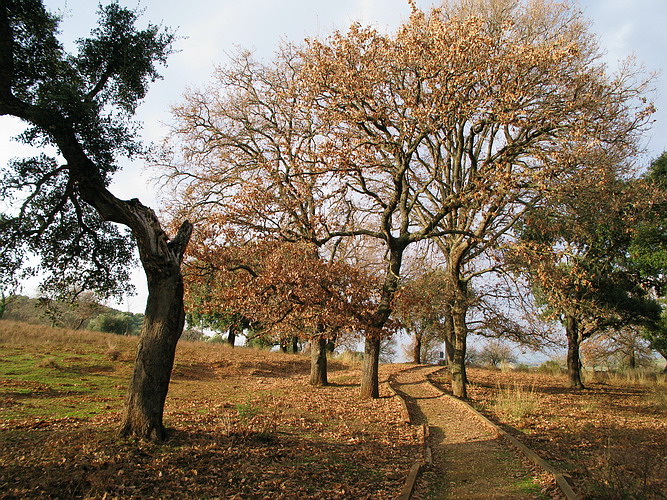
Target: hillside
83, 314
244, 424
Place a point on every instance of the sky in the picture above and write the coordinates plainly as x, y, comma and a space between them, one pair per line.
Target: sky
209, 30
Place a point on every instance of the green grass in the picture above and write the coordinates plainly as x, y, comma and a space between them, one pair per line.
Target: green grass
527, 485
57, 385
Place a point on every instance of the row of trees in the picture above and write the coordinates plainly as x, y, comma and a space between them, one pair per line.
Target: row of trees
323, 182
438, 160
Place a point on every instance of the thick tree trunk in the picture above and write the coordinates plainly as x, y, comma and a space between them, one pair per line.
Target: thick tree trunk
448, 334
370, 367
370, 387
295, 345
231, 335
457, 366
573, 359
318, 362
417, 349
149, 384
163, 325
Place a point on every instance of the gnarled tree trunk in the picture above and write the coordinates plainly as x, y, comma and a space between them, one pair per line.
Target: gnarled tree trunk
457, 366
149, 384
163, 325
370, 367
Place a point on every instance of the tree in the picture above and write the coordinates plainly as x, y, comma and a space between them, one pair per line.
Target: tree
648, 249
420, 306
284, 287
450, 129
82, 104
623, 348
119, 323
575, 251
656, 335
496, 352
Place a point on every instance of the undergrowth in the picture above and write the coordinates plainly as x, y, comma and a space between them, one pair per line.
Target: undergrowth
516, 402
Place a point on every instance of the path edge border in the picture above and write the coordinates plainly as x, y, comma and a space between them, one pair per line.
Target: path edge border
417, 468
563, 481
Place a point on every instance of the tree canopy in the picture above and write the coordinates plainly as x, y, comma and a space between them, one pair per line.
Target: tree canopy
445, 131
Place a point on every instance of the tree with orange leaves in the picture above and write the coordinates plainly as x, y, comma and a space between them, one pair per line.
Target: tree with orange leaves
286, 289
450, 128
444, 131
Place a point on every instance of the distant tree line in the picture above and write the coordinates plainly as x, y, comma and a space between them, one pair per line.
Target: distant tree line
83, 314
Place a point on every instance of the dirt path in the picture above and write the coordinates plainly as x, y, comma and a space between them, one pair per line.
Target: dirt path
469, 460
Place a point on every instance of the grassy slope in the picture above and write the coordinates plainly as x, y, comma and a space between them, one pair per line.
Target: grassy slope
244, 423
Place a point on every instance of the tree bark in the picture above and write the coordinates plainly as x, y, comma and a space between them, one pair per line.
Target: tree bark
370, 387
154, 361
295, 344
163, 325
160, 256
231, 335
573, 359
457, 367
370, 369
417, 349
318, 362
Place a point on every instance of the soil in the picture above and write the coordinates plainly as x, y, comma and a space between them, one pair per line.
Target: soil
469, 459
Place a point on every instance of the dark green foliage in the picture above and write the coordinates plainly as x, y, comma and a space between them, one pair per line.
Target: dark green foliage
91, 94
648, 250
119, 323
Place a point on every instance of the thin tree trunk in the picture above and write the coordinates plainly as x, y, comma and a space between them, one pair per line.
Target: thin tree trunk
369, 376
295, 344
632, 361
331, 343
318, 362
417, 349
573, 359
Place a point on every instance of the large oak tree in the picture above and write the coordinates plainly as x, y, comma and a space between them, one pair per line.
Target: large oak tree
82, 104
449, 129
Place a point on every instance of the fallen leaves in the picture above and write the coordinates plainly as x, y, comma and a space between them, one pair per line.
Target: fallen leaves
232, 435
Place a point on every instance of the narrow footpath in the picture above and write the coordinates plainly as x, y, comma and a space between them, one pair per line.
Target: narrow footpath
469, 460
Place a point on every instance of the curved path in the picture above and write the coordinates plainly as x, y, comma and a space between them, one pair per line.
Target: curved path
469, 459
